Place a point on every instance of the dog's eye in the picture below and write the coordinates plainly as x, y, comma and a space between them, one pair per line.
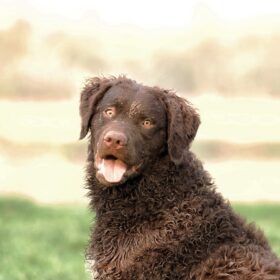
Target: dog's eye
109, 112
147, 124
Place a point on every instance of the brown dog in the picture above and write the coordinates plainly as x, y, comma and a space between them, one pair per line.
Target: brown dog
158, 215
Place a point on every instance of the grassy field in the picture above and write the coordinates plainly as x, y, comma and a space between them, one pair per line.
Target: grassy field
42, 242
48, 242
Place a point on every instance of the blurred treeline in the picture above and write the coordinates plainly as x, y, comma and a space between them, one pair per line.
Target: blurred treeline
47, 67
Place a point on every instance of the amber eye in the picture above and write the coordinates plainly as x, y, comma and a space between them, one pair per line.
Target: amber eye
109, 112
147, 124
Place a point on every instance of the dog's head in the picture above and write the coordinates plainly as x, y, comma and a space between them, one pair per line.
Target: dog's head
132, 125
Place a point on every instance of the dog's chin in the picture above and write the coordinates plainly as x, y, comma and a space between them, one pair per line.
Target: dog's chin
112, 171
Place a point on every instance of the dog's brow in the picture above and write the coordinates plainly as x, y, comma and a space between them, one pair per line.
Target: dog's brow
134, 109
111, 103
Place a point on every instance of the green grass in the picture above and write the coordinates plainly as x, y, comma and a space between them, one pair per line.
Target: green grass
267, 217
42, 242
48, 242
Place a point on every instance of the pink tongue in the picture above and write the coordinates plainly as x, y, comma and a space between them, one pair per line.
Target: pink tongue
112, 170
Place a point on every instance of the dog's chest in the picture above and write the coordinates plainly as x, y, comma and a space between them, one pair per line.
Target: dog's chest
116, 251
122, 245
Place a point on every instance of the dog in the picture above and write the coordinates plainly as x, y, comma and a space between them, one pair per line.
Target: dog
158, 215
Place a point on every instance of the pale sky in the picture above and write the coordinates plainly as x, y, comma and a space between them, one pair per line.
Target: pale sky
145, 13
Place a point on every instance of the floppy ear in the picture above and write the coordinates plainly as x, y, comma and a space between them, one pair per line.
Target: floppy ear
92, 93
183, 122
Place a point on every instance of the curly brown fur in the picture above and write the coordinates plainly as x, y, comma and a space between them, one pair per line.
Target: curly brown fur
166, 221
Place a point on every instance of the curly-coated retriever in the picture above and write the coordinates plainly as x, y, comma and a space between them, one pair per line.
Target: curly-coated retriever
158, 215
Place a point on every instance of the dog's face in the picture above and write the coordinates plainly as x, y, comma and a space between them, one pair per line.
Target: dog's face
128, 128
131, 125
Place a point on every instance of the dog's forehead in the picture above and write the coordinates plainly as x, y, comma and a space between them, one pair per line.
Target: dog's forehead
134, 99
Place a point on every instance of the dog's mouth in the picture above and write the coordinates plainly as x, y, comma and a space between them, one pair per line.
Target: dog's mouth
113, 170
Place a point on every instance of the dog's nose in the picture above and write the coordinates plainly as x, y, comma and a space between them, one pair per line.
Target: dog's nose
115, 140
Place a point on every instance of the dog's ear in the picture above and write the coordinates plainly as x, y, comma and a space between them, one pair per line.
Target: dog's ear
183, 122
92, 93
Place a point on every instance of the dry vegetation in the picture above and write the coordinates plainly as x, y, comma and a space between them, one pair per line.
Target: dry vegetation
247, 66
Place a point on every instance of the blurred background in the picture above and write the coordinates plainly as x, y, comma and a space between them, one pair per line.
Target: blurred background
223, 56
